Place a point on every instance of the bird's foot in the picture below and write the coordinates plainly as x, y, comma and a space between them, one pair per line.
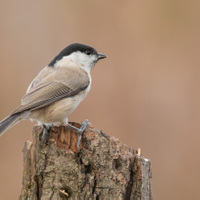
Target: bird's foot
80, 130
45, 132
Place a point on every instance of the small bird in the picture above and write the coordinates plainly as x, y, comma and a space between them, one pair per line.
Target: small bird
58, 89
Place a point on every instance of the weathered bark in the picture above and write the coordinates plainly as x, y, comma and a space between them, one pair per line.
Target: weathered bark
103, 168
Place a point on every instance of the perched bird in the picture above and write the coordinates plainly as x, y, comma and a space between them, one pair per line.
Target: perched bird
58, 89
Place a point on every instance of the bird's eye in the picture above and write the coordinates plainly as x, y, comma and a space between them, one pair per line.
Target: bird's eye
88, 52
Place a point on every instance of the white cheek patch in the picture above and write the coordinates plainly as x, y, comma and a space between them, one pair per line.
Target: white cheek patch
77, 59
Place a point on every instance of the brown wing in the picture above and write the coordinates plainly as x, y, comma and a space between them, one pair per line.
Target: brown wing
47, 93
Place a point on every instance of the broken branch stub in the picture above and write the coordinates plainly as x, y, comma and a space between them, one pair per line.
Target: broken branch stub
103, 168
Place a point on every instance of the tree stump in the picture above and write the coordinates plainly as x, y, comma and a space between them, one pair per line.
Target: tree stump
103, 168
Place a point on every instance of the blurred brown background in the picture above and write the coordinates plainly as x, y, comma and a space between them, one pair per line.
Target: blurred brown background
146, 93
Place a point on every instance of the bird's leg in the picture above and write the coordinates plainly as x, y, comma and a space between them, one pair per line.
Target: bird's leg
80, 130
45, 131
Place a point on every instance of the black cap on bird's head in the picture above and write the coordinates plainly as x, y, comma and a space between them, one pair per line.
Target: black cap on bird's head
75, 47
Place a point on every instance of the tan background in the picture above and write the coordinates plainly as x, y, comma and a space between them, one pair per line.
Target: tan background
146, 93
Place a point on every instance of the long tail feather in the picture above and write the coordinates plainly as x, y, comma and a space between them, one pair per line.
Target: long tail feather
8, 122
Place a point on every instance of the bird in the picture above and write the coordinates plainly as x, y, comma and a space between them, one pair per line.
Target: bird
57, 90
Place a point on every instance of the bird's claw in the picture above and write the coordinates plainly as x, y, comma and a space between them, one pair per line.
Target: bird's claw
84, 124
46, 128
80, 130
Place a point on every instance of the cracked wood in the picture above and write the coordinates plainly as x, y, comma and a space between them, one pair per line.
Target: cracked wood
102, 169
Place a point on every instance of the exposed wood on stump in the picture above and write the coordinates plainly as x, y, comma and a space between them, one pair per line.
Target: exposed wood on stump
102, 169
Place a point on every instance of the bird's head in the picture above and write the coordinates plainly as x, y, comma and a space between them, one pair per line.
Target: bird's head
78, 53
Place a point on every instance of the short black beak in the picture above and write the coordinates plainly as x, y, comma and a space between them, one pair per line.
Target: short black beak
101, 56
